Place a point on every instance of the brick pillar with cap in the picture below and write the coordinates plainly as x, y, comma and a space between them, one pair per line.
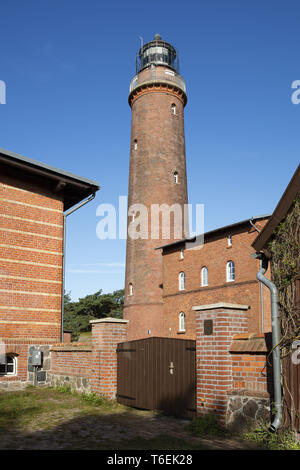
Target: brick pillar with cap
216, 325
106, 334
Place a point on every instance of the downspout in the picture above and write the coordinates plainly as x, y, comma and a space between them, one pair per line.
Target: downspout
65, 215
260, 287
275, 340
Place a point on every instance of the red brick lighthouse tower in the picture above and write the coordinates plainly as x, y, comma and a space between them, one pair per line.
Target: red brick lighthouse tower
157, 176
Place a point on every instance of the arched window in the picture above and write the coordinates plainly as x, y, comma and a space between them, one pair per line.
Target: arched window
135, 144
130, 288
229, 240
173, 107
230, 271
182, 321
204, 276
175, 176
8, 365
181, 281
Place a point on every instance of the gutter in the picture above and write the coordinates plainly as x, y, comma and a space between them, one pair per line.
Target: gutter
275, 340
65, 215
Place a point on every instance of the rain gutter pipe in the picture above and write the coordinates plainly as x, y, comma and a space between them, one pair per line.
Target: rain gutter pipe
275, 340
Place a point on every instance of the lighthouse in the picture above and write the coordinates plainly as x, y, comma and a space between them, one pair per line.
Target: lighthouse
157, 190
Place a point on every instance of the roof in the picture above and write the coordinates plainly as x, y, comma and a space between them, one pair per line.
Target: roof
74, 188
280, 212
215, 231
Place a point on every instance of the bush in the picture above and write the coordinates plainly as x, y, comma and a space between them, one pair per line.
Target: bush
283, 439
92, 398
206, 426
63, 389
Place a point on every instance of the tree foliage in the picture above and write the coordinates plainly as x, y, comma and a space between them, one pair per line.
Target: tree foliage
77, 315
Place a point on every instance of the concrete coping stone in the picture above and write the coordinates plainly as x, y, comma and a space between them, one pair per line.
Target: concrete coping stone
221, 305
109, 320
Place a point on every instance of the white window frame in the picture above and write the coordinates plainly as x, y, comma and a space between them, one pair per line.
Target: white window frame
175, 177
229, 240
204, 276
14, 362
173, 108
182, 253
182, 321
230, 271
130, 288
135, 144
181, 280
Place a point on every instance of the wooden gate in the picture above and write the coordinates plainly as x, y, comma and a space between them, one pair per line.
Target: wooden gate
158, 374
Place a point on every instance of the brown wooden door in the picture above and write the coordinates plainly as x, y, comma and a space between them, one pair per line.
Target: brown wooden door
158, 373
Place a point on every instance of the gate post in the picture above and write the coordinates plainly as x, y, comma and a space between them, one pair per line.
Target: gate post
106, 334
216, 324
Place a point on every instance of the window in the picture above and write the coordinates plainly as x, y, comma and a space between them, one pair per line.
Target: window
229, 240
175, 176
230, 271
182, 321
181, 281
135, 144
173, 107
204, 276
8, 365
181, 253
130, 288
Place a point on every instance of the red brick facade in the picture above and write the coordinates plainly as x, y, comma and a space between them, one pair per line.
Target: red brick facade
33, 197
214, 254
31, 270
157, 152
31, 262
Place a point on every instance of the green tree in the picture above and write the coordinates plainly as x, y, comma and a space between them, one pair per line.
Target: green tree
77, 315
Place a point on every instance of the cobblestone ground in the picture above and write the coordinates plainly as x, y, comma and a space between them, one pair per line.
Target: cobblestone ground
74, 428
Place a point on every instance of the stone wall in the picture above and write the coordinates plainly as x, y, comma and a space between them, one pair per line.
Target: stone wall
245, 410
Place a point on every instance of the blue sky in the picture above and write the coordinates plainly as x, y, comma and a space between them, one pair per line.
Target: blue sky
67, 65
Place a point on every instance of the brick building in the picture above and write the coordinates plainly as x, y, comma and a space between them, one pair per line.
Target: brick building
33, 198
222, 270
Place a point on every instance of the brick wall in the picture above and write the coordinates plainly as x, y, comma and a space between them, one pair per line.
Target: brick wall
31, 262
31, 270
213, 359
251, 395
106, 334
234, 378
71, 364
251, 370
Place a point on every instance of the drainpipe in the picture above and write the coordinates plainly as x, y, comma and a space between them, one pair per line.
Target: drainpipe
260, 286
65, 215
275, 340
